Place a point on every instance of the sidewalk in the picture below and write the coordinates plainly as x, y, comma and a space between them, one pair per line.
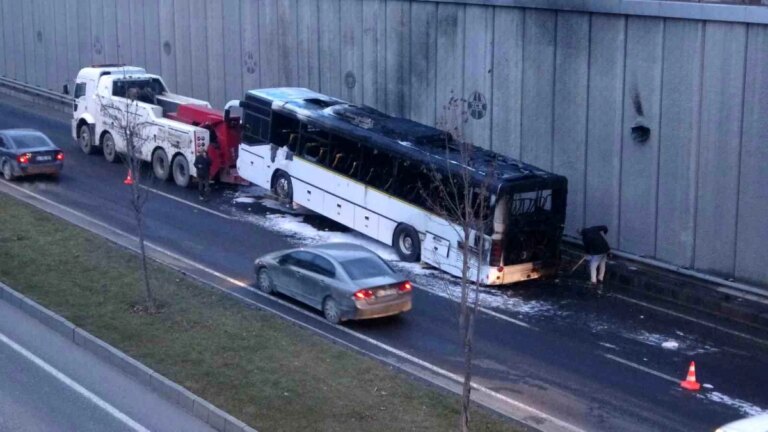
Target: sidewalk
644, 280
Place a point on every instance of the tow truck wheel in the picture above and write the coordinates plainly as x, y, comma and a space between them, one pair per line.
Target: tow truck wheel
108, 146
85, 139
160, 166
180, 169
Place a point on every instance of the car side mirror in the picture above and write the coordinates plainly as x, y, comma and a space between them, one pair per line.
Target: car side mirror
66, 89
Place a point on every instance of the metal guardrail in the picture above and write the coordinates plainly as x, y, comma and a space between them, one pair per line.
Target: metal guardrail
36, 91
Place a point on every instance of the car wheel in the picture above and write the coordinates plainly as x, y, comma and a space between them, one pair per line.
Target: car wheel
160, 166
407, 243
265, 281
85, 139
180, 169
331, 310
282, 187
7, 171
108, 146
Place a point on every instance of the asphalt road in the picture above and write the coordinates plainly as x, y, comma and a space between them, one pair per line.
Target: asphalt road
593, 362
47, 383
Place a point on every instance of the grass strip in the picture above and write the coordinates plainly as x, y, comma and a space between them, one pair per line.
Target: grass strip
267, 372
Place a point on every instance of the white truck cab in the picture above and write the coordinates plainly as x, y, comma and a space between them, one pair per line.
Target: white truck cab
173, 144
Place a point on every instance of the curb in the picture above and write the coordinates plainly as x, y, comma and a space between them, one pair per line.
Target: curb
195, 405
684, 290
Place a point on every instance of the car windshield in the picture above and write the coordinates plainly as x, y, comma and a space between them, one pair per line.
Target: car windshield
30, 141
366, 267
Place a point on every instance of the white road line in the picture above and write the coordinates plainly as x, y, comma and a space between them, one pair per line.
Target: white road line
73, 385
642, 368
704, 323
435, 369
183, 201
482, 309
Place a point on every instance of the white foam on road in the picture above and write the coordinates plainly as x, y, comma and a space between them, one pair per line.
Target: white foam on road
744, 407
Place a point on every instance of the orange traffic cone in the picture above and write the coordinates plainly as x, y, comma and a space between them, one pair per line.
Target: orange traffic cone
690, 381
128, 180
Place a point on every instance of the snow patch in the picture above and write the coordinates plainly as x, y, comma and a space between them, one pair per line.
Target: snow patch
687, 346
670, 345
746, 408
244, 200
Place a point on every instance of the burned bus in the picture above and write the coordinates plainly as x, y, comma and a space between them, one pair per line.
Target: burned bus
369, 171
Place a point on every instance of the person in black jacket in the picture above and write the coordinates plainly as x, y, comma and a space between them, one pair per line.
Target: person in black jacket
203, 167
597, 248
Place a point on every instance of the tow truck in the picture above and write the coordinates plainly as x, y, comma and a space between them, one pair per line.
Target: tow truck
177, 126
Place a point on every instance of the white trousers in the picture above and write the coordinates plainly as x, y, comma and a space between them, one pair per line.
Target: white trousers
597, 262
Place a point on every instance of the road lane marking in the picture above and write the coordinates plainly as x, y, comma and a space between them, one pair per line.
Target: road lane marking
73, 385
191, 204
642, 368
428, 366
704, 323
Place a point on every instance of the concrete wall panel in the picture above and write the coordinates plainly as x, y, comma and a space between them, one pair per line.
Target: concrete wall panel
137, 32
423, 62
678, 140
538, 87
398, 57
478, 66
183, 46
351, 22
3, 67
640, 160
84, 35
287, 23
570, 110
199, 48
307, 45
72, 53
111, 52
374, 40
32, 32
752, 253
604, 123
166, 24
268, 43
214, 45
450, 59
6, 59
234, 52
153, 43
54, 42
252, 60
721, 120
507, 81
125, 38
330, 57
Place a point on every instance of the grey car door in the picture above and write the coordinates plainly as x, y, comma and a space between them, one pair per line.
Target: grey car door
295, 273
325, 275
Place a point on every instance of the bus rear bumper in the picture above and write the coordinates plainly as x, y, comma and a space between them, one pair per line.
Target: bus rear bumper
521, 272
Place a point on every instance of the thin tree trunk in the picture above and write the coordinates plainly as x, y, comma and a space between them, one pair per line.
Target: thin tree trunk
466, 342
150, 298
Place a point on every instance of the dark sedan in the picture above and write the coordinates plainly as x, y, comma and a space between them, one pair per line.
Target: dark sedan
346, 281
27, 152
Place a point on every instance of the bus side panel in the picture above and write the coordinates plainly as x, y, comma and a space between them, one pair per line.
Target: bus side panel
251, 165
309, 196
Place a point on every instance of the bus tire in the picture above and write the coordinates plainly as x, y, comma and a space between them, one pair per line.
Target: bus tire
407, 243
160, 165
85, 138
108, 147
180, 170
282, 187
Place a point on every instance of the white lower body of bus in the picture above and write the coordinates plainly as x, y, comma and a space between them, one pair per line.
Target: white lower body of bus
374, 213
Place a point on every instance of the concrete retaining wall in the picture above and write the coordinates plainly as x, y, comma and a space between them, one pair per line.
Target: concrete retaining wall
558, 88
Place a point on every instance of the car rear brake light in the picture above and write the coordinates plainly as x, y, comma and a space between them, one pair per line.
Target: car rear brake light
24, 158
405, 287
60, 156
363, 294
495, 253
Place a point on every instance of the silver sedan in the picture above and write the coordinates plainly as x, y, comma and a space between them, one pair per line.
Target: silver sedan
344, 280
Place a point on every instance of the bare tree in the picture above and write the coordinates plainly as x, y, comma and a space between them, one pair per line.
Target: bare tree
127, 120
457, 190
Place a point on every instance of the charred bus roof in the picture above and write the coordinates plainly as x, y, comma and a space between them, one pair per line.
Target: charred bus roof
403, 136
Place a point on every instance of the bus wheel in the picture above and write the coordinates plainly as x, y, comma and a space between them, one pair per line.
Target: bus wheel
108, 146
406, 243
282, 187
160, 166
85, 139
180, 169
